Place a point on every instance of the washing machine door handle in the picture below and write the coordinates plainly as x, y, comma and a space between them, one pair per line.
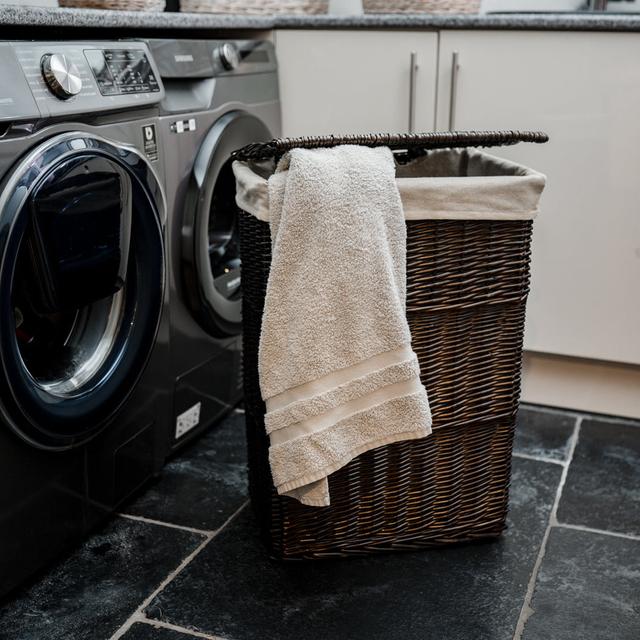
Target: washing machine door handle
80, 232
202, 164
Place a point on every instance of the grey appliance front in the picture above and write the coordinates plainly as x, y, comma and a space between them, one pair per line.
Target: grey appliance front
84, 383
208, 112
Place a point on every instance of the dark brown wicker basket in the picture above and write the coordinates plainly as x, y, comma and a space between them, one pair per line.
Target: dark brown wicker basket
467, 284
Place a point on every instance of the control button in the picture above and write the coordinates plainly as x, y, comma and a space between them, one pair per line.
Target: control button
228, 55
61, 75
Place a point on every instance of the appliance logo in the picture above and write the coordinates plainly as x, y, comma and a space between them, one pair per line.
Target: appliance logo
150, 141
183, 57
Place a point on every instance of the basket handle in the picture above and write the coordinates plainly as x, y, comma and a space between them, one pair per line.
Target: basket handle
429, 140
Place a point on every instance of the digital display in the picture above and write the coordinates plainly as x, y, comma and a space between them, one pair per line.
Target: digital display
121, 71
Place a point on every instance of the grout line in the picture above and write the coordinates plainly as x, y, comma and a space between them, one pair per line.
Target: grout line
527, 456
602, 532
526, 611
161, 523
572, 413
138, 615
603, 417
158, 624
553, 410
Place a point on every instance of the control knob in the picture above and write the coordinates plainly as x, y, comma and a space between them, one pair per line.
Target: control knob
228, 55
61, 75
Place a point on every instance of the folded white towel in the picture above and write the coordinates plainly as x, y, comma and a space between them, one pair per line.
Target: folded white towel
336, 367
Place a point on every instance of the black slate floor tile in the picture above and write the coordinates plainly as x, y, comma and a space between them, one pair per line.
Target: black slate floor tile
232, 589
91, 593
143, 631
587, 588
204, 484
543, 433
602, 489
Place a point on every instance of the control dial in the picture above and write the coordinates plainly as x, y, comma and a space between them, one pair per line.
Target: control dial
228, 55
61, 75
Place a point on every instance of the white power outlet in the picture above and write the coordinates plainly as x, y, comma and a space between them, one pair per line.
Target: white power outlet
188, 420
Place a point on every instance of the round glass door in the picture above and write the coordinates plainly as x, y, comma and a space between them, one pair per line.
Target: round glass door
223, 242
81, 286
211, 251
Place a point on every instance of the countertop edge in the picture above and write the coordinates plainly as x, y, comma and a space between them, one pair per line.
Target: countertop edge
17, 15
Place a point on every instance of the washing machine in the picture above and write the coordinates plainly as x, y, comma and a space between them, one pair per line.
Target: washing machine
220, 96
84, 383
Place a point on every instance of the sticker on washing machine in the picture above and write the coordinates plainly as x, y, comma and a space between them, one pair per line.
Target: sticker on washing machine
150, 141
184, 126
188, 420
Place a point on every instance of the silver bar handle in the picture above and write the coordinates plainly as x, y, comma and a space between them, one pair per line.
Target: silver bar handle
455, 72
413, 79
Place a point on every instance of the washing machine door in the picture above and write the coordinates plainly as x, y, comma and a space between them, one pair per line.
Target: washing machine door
81, 285
210, 245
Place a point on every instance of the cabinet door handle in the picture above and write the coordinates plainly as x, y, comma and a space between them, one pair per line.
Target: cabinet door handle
413, 79
453, 98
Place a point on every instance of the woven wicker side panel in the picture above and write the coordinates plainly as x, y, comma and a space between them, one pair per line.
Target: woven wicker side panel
467, 286
421, 6
117, 5
255, 6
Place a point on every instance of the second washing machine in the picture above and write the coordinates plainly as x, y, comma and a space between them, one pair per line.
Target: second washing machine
220, 96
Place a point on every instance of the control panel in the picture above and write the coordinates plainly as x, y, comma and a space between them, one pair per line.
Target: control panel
68, 78
122, 71
212, 58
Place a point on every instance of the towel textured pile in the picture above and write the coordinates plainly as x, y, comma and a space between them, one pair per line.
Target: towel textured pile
337, 371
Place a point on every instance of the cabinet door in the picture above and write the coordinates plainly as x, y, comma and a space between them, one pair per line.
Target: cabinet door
355, 81
583, 89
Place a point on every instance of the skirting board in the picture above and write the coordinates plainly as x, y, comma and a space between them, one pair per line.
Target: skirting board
581, 385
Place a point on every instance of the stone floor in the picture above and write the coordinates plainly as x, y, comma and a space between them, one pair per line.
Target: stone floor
184, 561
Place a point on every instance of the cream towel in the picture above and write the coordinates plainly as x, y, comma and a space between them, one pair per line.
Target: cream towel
336, 367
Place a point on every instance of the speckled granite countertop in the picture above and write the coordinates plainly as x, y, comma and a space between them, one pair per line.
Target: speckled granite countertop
14, 15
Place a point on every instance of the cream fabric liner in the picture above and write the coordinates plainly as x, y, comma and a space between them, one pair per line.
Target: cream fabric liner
445, 184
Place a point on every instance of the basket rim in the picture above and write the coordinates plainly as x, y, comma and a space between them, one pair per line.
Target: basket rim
509, 191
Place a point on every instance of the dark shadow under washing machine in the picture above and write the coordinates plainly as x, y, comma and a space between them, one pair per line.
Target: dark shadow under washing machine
220, 96
84, 383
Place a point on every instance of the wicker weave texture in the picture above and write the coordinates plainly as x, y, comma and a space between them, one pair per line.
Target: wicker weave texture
116, 5
467, 283
421, 6
255, 6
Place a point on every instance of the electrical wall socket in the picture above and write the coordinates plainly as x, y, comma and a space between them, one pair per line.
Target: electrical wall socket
188, 420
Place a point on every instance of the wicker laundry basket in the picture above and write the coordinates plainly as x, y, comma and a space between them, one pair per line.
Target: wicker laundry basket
467, 284
115, 5
421, 6
255, 6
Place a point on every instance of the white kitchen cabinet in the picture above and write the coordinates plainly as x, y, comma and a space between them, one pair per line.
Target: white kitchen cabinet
355, 81
584, 90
